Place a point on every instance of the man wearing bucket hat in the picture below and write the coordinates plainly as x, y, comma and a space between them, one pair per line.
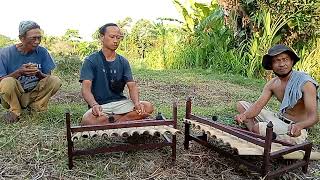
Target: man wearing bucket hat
25, 68
296, 91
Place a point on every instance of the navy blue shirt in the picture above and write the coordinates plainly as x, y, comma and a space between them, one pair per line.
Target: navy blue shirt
11, 60
93, 69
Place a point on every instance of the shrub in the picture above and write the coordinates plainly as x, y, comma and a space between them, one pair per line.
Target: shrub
68, 66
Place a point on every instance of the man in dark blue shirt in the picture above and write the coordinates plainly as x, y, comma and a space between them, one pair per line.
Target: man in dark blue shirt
103, 76
25, 69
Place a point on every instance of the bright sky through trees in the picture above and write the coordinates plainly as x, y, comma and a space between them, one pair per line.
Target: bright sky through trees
55, 16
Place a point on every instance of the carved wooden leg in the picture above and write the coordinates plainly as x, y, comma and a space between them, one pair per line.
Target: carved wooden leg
186, 135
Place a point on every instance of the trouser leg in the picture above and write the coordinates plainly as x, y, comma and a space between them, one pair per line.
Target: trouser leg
40, 95
11, 91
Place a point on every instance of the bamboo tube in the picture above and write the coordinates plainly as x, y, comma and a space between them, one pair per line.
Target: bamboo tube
93, 134
85, 134
299, 155
76, 136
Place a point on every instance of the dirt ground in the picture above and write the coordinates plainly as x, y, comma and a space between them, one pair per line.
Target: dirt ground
35, 148
200, 162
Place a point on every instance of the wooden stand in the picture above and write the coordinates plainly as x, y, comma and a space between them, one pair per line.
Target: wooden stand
265, 142
72, 152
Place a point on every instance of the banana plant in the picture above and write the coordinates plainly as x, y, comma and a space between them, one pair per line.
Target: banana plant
310, 61
194, 13
261, 42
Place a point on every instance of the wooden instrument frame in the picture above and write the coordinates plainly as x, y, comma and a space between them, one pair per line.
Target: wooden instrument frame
73, 152
265, 142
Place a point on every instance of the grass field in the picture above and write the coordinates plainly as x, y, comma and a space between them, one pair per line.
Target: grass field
35, 147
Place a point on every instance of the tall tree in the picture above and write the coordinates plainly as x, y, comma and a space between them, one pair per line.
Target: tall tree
143, 36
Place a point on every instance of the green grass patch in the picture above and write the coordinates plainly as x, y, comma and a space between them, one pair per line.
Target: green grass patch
35, 147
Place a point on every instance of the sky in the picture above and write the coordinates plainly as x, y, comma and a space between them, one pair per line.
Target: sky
56, 16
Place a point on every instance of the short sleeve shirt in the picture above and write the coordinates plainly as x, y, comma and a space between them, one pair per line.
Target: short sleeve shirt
11, 60
93, 69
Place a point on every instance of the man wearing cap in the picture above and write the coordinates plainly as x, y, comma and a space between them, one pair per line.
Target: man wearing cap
296, 91
25, 68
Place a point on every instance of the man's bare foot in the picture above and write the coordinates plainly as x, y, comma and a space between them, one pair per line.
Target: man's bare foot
10, 117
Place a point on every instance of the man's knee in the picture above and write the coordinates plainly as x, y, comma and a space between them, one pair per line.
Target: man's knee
255, 128
8, 85
87, 118
54, 82
148, 107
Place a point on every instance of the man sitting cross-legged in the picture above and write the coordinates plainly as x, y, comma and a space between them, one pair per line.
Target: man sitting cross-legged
297, 93
104, 75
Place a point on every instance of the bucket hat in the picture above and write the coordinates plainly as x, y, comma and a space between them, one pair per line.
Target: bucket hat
276, 50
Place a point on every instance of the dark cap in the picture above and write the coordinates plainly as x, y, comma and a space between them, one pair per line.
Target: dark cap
276, 50
26, 26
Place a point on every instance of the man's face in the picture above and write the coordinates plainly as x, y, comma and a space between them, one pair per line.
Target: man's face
112, 37
32, 39
282, 64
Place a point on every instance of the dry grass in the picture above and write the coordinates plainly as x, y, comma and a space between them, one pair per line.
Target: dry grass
35, 147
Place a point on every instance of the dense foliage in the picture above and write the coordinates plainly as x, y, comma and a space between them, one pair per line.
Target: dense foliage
208, 38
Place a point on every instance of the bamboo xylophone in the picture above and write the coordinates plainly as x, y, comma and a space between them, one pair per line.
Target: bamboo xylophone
246, 143
166, 129
125, 132
243, 147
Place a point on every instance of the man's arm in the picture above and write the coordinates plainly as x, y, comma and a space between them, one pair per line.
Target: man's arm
310, 101
256, 108
16, 74
23, 70
133, 92
134, 96
89, 98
